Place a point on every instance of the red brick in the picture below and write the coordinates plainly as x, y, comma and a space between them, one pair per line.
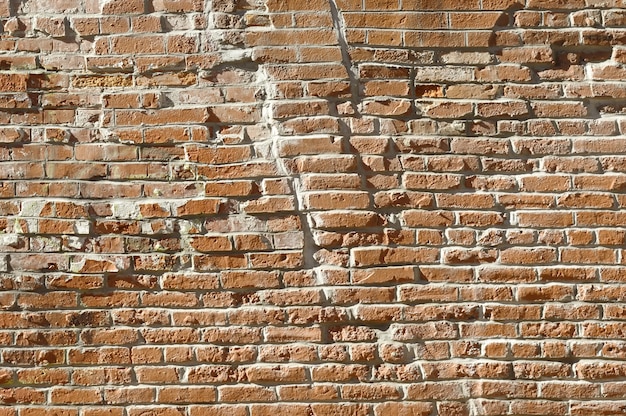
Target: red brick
432, 192
187, 394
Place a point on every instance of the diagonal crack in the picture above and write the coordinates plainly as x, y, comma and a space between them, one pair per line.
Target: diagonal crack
340, 26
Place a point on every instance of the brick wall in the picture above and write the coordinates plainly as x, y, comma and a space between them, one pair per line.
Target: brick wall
312, 207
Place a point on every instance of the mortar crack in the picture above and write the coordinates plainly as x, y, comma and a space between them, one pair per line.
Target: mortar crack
340, 27
309, 247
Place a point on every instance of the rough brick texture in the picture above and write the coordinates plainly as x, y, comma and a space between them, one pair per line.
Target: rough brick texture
312, 207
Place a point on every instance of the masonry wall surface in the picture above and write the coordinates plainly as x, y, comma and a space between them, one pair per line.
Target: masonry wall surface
312, 207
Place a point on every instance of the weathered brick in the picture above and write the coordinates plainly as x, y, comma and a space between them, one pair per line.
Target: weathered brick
284, 205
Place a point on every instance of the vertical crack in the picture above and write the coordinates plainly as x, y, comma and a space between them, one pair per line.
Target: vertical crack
309, 247
340, 26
